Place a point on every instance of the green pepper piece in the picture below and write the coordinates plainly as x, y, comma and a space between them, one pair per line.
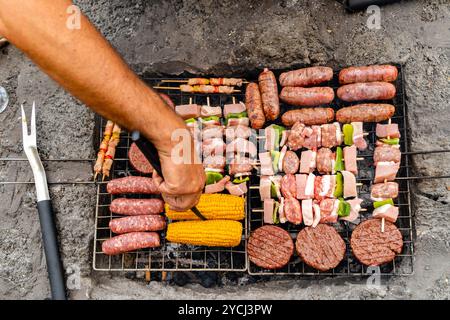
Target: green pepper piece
348, 134
275, 218
339, 188
229, 116
213, 177
339, 165
273, 191
344, 208
215, 118
191, 120
392, 141
275, 159
240, 180
378, 204
279, 133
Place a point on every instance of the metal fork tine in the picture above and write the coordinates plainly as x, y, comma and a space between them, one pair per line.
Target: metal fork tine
24, 125
33, 123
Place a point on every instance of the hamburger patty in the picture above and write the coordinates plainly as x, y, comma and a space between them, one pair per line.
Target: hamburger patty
270, 247
321, 247
138, 160
373, 247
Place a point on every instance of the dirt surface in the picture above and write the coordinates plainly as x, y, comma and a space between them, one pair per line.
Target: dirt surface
226, 37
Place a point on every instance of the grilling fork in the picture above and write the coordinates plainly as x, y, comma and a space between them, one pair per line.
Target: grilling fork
44, 205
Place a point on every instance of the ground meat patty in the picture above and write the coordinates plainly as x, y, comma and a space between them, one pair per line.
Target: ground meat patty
366, 112
321, 247
307, 97
132, 184
373, 247
129, 242
253, 103
269, 94
270, 247
138, 223
291, 162
385, 73
136, 207
306, 77
308, 116
138, 160
366, 91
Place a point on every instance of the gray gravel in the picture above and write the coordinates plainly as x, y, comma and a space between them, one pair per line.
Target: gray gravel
226, 37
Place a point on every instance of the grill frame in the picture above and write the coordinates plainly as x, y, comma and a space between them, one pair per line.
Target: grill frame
171, 257
403, 264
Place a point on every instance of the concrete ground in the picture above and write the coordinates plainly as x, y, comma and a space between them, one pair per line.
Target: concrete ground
224, 37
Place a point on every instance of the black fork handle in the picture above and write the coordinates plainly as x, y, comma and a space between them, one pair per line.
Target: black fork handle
356, 5
54, 266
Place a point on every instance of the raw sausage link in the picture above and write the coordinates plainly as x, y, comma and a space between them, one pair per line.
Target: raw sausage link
129, 242
366, 91
132, 184
254, 106
136, 207
307, 97
308, 116
366, 112
306, 77
137, 223
269, 94
385, 73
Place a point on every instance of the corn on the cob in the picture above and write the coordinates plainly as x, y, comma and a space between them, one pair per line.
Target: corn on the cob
212, 233
212, 206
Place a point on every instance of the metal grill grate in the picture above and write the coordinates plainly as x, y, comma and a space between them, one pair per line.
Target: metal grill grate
168, 257
403, 263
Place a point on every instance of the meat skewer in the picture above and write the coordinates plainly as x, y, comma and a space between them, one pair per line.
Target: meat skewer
209, 81
201, 89
103, 148
109, 156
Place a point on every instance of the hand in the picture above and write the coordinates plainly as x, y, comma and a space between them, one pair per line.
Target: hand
182, 184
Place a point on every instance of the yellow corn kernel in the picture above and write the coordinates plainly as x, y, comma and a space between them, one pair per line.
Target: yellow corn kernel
212, 233
212, 206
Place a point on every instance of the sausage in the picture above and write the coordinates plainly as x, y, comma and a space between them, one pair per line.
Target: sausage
366, 112
366, 91
135, 207
269, 94
137, 223
167, 100
138, 160
291, 162
307, 97
129, 242
308, 116
132, 184
306, 77
253, 103
385, 73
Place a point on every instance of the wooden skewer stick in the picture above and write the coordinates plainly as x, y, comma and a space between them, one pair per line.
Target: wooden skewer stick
359, 184
190, 100
177, 88
363, 209
185, 81
207, 101
359, 159
234, 100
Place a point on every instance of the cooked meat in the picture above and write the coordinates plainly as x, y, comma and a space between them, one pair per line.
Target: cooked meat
386, 153
307, 161
308, 116
325, 161
270, 247
293, 210
373, 247
383, 191
306, 77
321, 248
253, 103
387, 211
350, 159
269, 94
372, 73
386, 171
296, 139
366, 112
387, 130
366, 91
307, 97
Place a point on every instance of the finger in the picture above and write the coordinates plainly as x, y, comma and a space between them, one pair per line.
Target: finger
182, 202
157, 179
